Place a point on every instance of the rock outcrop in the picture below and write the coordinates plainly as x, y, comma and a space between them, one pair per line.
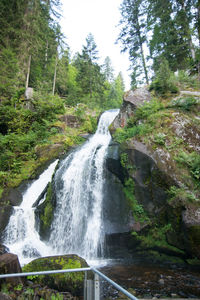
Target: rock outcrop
165, 192
9, 264
132, 100
67, 282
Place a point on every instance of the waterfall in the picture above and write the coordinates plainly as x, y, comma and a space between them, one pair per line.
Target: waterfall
77, 226
20, 235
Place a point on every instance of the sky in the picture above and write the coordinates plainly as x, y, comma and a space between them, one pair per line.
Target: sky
99, 17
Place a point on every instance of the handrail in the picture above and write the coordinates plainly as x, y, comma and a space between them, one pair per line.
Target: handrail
44, 272
117, 286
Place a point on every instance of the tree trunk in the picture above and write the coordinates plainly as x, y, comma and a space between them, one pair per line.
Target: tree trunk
46, 54
142, 53
28, 71
54, 79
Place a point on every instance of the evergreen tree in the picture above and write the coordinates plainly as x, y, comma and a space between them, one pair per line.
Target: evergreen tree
108, 69
171, 35
90, 77
132, 34
115, 96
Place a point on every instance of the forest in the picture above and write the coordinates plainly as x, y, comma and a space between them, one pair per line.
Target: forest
160, 40
34, 54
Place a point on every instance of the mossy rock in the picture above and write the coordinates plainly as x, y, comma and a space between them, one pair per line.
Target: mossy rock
66, 282
44, 214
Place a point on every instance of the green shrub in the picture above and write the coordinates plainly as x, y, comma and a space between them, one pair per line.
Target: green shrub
148, 108
192, 161
8, 72
184, 103
121, 135
185, 80
160, 138
179, 196
164, 81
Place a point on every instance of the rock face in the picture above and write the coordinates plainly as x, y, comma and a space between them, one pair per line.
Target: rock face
9, 263
5, 213
163, 223
71, 121
132, 99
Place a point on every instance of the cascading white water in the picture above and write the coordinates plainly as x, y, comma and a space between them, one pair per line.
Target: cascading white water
77, 226
20, 236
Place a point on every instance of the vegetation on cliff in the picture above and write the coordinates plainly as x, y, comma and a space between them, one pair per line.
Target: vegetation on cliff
160, 152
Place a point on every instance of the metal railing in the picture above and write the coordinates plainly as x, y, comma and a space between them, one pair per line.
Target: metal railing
91, 287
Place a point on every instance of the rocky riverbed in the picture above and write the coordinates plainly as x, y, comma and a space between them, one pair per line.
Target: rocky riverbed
145, 280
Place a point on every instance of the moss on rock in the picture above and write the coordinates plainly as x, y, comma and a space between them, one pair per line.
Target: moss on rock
68, 282
44, 213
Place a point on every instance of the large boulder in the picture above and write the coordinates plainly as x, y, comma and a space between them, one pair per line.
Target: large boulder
9, 264
66, 282
3, 249
132, 99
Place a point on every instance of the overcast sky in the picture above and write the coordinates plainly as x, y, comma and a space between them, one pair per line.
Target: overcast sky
100, 17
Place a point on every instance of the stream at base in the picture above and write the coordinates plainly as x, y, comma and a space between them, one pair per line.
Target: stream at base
147, 281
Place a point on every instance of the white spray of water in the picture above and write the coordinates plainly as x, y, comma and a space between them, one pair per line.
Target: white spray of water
77, 226
20, 236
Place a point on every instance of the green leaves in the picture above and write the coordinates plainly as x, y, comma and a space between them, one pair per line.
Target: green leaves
192, 161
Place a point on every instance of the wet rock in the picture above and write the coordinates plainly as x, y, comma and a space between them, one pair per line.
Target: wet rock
14, 197
3, 249
5, 213
9, 264
31, 252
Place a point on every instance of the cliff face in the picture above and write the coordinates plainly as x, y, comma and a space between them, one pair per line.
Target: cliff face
159, 145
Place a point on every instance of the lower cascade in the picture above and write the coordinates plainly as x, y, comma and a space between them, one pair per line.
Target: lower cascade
78, 225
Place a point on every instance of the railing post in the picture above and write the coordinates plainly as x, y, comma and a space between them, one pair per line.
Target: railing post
85, 287
88, 288
96, 287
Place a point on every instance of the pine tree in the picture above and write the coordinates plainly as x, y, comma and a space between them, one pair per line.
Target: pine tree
170, 38
108, 69
132, 36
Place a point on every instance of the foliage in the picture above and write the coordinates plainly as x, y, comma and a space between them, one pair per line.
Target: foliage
165, 29
185, 103
186, 80
160, 138
141, 113
133, 37
148, 108
8, 72
179, 196
163, 82
192, 161
137, 209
